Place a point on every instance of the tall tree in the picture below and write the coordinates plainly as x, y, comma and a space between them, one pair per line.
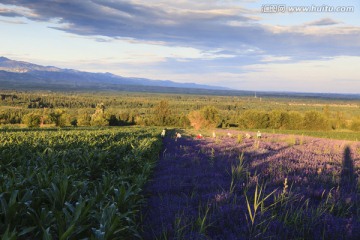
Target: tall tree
162, 113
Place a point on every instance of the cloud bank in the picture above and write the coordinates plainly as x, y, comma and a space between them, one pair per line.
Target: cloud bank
209, 26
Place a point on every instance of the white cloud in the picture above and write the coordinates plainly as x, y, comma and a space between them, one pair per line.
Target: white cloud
269, 58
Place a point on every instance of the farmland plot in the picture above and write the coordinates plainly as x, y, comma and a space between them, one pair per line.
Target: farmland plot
74, 184
276, 187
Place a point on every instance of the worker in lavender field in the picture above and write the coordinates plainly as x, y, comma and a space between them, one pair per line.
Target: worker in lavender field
258, 135
178, 135
163, 133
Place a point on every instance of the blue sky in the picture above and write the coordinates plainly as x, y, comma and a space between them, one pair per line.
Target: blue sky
225, 43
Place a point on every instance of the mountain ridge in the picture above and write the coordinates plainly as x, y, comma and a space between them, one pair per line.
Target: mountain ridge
21, 73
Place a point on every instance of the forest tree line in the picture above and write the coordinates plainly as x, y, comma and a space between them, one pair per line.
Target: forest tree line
179, 111
162, 114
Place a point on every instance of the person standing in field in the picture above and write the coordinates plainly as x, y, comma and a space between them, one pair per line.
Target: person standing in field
178, 135
258, 135
163, 133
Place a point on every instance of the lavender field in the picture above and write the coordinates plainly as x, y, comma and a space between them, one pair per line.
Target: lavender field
276, 187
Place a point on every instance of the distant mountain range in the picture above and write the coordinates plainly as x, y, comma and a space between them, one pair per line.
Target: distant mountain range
24, 75
19, 75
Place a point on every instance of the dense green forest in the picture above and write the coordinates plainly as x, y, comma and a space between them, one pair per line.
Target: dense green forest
61, 109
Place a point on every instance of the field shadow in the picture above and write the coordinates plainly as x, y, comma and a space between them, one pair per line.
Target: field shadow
187, 181
348, 176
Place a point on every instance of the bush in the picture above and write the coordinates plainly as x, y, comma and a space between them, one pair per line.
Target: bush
83, 119
254, 119
32, 120
279, 119
295, 121
355, 125
315, 121
74, 122
60, 118
99, 118
196, 119
183, 121
207, 117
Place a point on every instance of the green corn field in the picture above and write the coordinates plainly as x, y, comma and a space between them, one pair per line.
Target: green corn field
74, 184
